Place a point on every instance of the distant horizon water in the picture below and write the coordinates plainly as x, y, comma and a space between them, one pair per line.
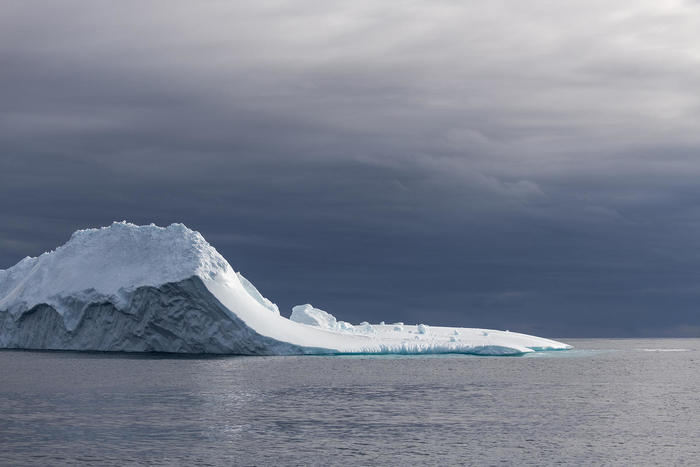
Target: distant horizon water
607, 401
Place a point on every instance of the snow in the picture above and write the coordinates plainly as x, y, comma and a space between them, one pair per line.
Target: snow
149, 288
109, 263
253, 292
307, 314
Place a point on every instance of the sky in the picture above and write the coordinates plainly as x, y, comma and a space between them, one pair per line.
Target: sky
524, 165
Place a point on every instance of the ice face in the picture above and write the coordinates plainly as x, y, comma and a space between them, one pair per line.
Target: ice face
147, 288
307, 314
253, 292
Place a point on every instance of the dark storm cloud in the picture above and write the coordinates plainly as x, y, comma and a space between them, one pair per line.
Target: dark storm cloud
522, 165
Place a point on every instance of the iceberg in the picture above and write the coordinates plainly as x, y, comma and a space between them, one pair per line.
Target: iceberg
132, 288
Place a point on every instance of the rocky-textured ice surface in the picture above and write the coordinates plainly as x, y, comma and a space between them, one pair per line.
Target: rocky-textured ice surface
154, 289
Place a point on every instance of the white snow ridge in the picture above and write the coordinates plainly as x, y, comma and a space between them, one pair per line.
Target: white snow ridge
136, 288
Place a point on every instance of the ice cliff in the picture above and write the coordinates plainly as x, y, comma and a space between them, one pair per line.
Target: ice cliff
154, 289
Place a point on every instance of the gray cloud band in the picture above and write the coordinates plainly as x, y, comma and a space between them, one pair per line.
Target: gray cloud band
495, 165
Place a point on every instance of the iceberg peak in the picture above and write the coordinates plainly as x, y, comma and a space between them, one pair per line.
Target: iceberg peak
104, 262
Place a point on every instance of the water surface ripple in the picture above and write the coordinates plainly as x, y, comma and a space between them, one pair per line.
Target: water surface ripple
608, 402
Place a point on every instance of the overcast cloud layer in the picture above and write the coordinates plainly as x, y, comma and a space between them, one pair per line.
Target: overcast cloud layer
525, 165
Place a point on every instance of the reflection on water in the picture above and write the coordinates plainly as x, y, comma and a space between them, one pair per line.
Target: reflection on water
606, 401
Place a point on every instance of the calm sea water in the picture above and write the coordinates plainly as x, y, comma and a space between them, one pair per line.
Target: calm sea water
624, 402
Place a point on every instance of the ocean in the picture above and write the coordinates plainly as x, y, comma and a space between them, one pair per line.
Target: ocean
607, 402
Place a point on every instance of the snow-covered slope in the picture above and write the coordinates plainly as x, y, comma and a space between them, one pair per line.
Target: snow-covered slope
148, 288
